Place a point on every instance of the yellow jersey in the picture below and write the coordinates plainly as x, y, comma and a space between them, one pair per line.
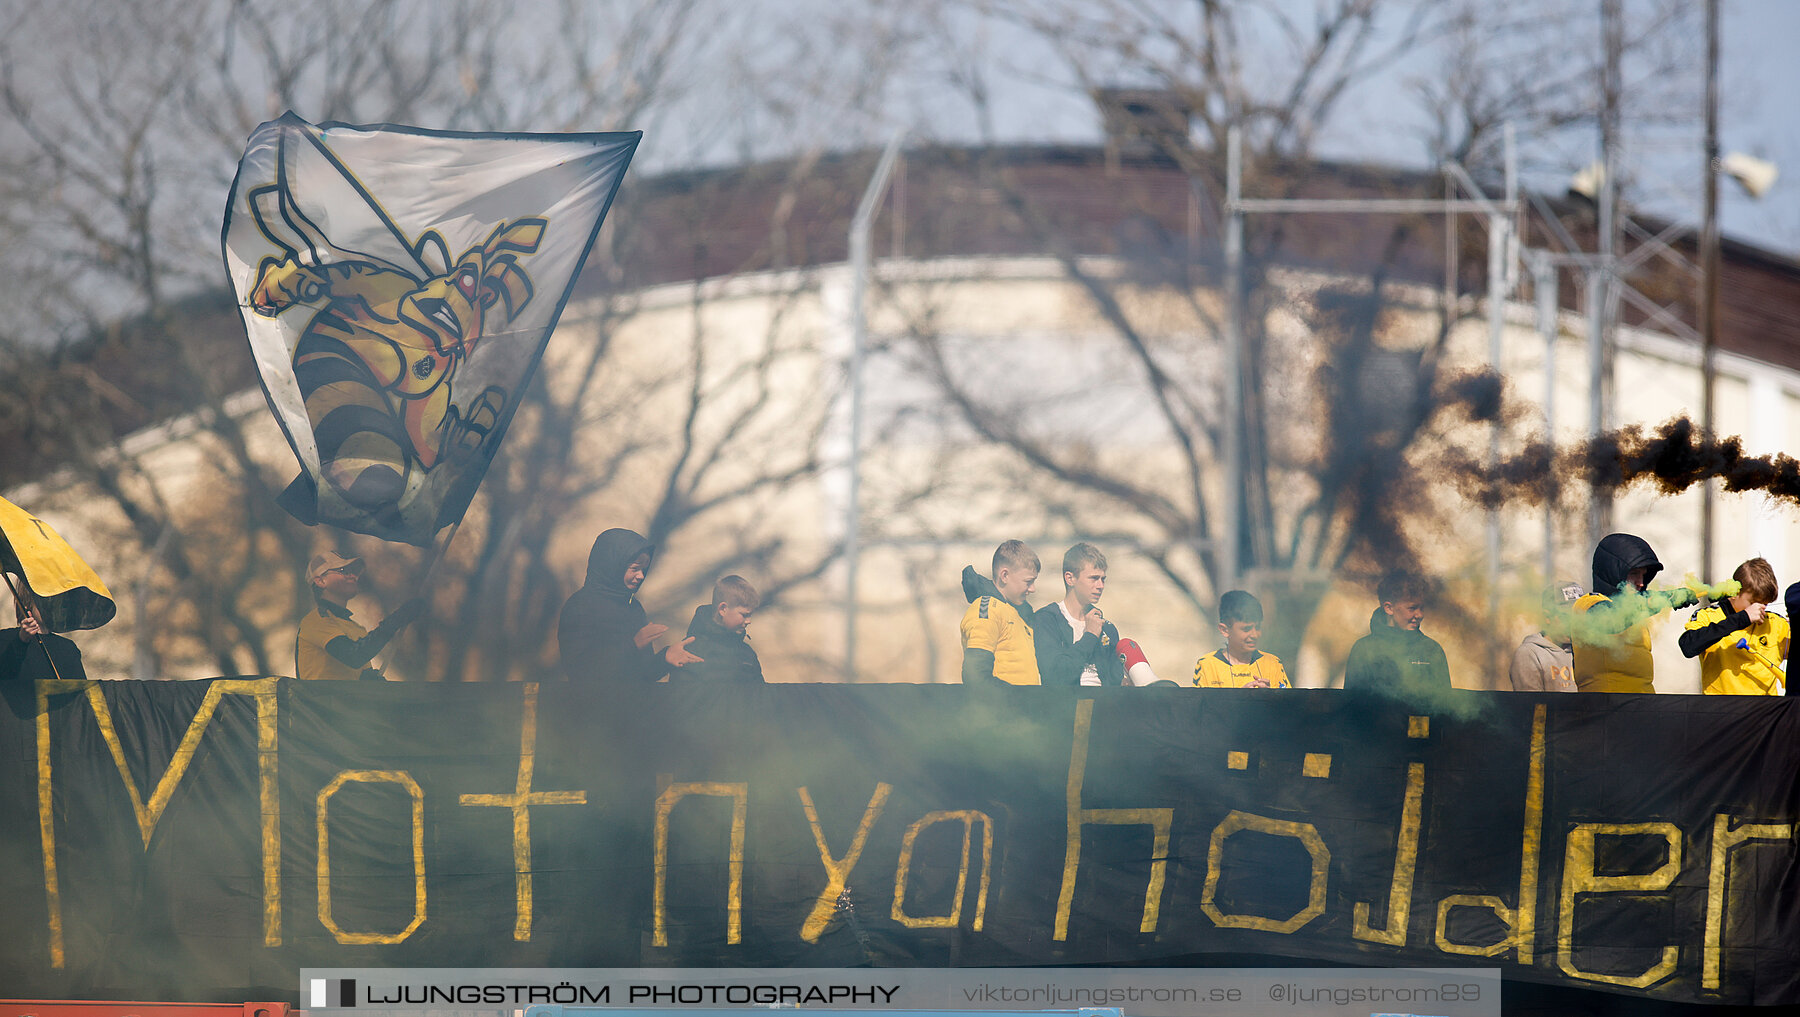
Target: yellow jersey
1216, 671
1727, 669
322, 624
1612, 662
993, 625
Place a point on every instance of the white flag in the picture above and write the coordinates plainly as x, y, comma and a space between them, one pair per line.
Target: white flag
398, 287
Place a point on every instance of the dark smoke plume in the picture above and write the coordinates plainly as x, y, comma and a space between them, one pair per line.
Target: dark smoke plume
1479, 394
1673, 458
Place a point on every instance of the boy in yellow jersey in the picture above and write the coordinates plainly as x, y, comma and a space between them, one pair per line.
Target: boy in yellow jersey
996, 629
1239, 665
1741, 645
1612, 624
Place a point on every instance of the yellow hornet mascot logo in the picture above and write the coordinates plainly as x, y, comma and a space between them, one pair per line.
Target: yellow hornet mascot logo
377, 357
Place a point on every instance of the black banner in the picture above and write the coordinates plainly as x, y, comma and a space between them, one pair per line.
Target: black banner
206, 840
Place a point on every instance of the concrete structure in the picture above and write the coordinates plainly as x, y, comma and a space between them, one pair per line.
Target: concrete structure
997, 262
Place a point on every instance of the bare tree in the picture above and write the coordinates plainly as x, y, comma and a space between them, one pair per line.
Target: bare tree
113, 188
1205, 67
111, 184
1537, 66
101, 180
692, 450
1330, 427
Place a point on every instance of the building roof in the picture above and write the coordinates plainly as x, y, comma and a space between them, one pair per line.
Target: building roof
1161, 217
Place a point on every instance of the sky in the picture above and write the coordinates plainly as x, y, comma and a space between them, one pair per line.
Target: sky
1381, 120
1758, 81
706, 122
1759, 75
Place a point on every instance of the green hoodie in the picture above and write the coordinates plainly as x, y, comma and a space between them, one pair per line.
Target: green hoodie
1396, 662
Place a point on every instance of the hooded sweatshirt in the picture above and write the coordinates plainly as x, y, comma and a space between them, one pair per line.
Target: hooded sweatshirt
597, 632
1612, 634
725, 654
998, 629
1540, 665
1396, 662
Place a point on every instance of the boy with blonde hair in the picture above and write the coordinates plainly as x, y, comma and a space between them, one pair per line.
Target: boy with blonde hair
1740, 645
997, 641
1075, 643
720, 636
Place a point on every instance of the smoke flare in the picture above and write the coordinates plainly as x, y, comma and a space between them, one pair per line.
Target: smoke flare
1674, 457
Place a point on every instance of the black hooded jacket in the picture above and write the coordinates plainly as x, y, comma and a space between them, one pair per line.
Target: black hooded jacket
1396, 662
725, 655
974, 585
1062, 657
597, 632
1792, 599
1614, 558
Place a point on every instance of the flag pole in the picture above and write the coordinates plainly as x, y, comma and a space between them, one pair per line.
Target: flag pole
437, 557
38, 637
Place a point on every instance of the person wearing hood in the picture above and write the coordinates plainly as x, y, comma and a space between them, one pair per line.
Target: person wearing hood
1396, 659
603, 633
1612, 630
996, 629
1544, 662
719, 635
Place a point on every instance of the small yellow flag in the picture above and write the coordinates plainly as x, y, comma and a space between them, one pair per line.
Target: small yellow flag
69, 594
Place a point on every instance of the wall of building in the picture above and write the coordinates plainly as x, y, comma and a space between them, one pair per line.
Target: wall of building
936, 497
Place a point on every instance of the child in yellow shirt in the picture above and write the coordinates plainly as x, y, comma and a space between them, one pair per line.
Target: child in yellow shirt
1238, 664
996, 628
1740, 645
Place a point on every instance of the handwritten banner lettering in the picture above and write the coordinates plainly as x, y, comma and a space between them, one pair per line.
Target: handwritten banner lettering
204, 840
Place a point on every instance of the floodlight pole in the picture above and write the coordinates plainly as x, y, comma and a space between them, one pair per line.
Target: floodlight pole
1500, 260
1231, 526
1502, 249
1709, 288
860, 227
1601, 291
1544, 287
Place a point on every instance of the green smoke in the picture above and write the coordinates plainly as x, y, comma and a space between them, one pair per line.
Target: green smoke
1630, 609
